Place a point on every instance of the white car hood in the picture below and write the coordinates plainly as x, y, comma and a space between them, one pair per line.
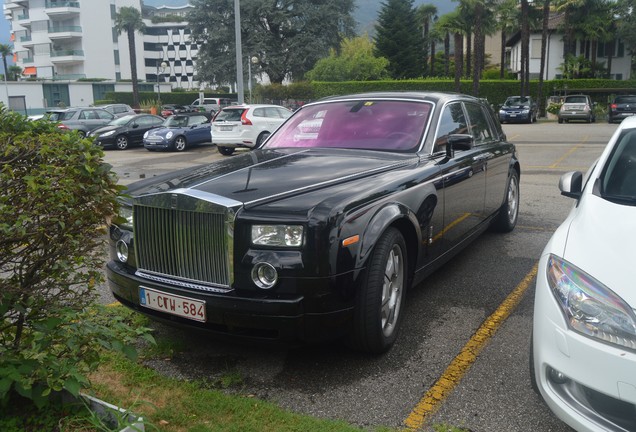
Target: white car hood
601, 240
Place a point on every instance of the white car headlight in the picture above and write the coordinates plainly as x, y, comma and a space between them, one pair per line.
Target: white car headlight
146, 134
109, 133
169, 135
589, 307
277, 235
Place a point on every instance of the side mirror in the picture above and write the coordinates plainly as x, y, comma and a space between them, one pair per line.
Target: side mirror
459, 142
571, 184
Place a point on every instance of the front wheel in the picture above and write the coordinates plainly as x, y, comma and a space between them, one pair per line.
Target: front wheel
378, 311
560, 120
180, 144
121, 142
506, 220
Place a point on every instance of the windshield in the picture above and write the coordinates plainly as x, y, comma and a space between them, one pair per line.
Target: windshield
386, 125
625, 100
517, 100
121, 120
176, 121
619, 177
576, 99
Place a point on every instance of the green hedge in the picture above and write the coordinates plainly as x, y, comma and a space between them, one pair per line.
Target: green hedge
495, 91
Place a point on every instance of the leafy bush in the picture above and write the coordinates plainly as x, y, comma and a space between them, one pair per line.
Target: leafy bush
56, 197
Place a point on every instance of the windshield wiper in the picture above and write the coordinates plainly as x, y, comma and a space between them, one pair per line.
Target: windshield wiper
621, 199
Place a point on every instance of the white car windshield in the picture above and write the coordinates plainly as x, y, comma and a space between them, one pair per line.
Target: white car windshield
386, 125
619, 177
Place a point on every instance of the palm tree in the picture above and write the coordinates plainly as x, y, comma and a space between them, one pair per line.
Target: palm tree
544, 44
525, 48
128, 20
5, 50
14, 72
425, 14
507, 22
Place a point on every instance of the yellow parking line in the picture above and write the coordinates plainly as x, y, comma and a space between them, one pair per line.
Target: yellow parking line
453, 374
568, 153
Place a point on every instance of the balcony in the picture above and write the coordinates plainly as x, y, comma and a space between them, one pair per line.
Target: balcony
15, 4
62, 9
67, 56
65, 32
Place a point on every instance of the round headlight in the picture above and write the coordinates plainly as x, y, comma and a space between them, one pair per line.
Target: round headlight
264, 275
122, 251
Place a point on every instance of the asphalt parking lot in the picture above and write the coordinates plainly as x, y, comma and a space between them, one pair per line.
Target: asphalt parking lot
445, 368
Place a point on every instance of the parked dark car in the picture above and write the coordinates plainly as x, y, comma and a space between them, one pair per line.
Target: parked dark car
319, 231
172, 109
179, 132
577, 107
518, 109
82, 119
621, 107
126, 131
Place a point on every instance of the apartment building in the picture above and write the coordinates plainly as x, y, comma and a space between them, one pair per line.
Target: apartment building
58, 42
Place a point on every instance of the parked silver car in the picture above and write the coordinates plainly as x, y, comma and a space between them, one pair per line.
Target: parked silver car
118, 110
577, 107
82, 119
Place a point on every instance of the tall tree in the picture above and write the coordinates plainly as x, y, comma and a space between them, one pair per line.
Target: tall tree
399, 40
5, 50
544, 45
285, 37
427, 13
508, 22
354, 62
128, 20
525, 48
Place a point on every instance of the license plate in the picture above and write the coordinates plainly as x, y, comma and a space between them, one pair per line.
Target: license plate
173, 304
225, 128
513, 115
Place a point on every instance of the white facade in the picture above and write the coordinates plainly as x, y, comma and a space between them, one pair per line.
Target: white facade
621, 58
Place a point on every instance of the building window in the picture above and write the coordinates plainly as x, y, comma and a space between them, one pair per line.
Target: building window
116, 54
535, 45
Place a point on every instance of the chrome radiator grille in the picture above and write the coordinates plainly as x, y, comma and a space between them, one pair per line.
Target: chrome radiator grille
185, 246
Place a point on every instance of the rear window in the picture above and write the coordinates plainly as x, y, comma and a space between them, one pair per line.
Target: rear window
625, 99
575, 99
230, 115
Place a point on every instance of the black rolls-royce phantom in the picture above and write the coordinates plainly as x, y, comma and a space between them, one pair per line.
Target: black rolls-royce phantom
319, 232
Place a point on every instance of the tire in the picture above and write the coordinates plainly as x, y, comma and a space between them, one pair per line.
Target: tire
121, 142
506, 220
262, 137
81, 133
560, 120
180, 144
225, 151
378, 311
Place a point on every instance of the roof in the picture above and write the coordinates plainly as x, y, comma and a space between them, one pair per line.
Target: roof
555, 22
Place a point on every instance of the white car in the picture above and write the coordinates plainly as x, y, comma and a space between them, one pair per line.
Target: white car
583, 355
246, 125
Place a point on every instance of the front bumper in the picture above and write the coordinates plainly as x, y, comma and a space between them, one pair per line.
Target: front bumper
515, 116
157, 144
598, 392
235, 316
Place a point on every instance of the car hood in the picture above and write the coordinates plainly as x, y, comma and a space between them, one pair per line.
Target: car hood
600, 239
263, 176
103, 129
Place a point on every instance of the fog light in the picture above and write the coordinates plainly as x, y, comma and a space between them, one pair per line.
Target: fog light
122, 251
264, 275
556, 376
